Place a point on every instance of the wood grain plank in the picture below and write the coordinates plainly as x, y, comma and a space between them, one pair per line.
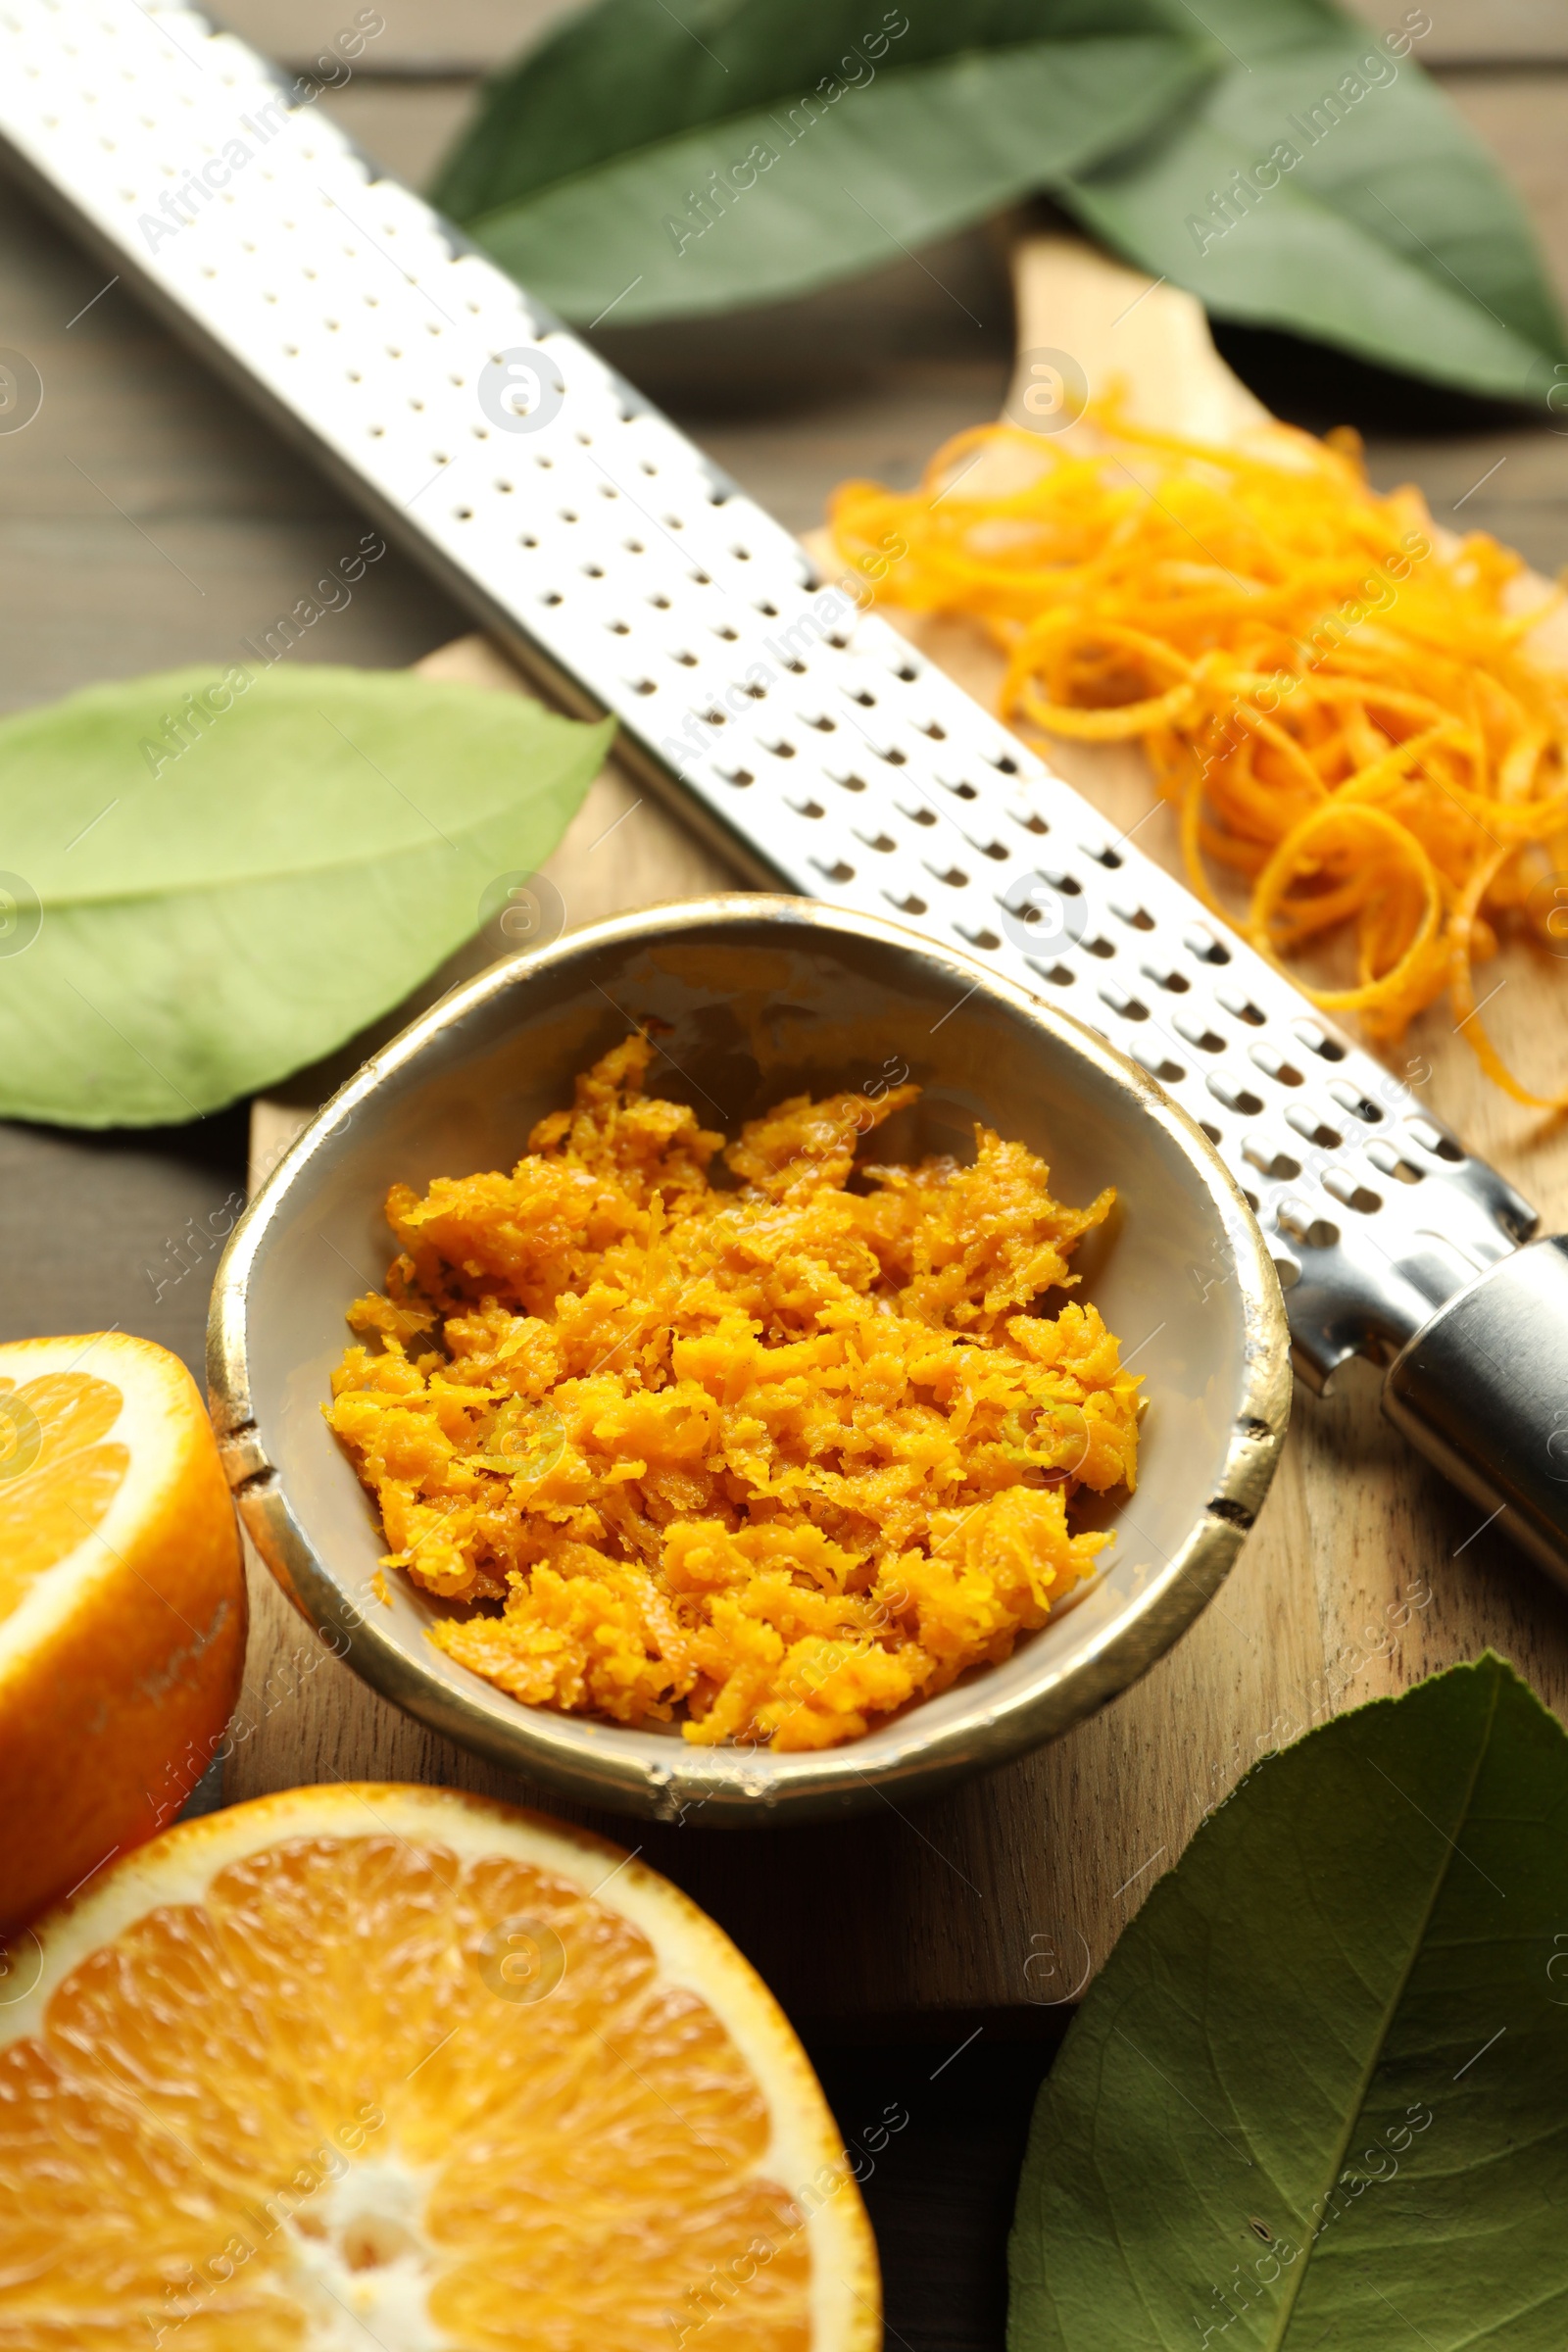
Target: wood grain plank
1364, 1571
421, 35
146, 520
118, 1231
1519, 115
405, 126
1481, 32
999, 1895
476, 36
1364, 1574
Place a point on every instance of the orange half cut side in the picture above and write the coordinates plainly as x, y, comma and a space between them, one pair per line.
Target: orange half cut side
377, 2065
57, 1477
121, 1605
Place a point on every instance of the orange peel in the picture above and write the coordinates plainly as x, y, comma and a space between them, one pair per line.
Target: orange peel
1304, 661
121, 1605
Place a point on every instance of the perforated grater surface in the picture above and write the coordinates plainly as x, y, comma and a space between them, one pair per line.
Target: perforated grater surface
806, 739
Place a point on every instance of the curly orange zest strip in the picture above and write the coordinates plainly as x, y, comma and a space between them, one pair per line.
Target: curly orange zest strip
1348, 719
1463, 988
1316, 834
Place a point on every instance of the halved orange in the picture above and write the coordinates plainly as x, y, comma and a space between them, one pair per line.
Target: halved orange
121, 1605
375, 2066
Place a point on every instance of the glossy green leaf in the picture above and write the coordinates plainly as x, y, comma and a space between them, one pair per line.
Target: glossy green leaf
182, 925
658, 162
625, 73
1366, 215
740, 151
1319, 2093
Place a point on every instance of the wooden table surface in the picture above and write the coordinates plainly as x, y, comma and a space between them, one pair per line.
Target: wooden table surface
146, 520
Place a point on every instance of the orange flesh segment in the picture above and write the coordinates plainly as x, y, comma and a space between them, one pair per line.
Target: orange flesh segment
57, 1478
328, 2078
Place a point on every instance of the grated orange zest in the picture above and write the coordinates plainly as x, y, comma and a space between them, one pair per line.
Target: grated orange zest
781, 1457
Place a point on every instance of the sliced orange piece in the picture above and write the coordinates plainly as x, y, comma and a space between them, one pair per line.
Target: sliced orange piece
121, 1605
368, 2066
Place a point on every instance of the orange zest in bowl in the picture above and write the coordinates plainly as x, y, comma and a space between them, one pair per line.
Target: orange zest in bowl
1346, 713
775, 1455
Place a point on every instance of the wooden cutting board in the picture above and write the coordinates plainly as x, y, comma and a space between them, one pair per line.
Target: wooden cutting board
999, 1901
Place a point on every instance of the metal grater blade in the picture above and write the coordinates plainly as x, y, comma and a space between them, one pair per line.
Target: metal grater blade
631, 575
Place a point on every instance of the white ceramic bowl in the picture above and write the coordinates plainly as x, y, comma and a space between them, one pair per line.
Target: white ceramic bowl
764, 996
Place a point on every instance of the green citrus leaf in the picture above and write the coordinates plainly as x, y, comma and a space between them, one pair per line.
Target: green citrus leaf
664, 162
627, 74
193, 907
1325, 185
812, 196
1318, 2094
737, 152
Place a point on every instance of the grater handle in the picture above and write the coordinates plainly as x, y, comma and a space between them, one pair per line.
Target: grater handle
1482, 1391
